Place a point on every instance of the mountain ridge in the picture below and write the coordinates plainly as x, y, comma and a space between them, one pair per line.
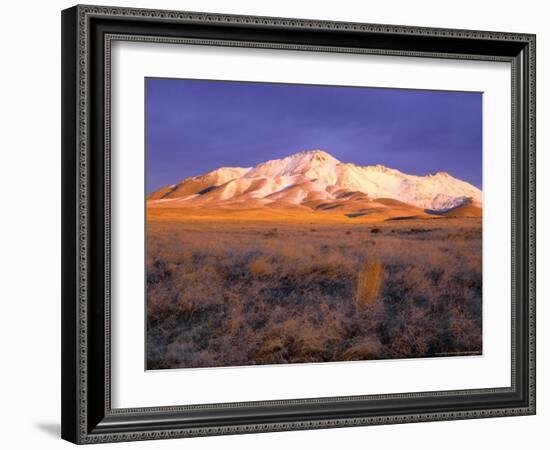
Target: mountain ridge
311, 178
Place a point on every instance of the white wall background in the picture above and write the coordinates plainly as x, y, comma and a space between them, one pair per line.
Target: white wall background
30, 222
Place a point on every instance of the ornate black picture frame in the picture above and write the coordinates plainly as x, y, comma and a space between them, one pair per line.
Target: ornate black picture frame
87, 34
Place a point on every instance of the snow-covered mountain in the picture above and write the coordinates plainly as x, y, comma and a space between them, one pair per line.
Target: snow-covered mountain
316, 179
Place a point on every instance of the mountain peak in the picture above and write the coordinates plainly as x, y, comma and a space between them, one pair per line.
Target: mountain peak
317, 154
306, 162
311, 158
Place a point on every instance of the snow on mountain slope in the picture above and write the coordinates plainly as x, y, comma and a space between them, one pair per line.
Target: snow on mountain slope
315, 176
311, 164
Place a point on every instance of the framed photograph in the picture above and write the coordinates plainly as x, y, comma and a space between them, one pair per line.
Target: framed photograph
279, 224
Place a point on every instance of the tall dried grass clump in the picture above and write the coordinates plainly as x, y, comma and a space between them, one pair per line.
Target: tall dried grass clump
369, 283
261, 267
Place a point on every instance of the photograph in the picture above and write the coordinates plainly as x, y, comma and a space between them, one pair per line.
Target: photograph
293, 223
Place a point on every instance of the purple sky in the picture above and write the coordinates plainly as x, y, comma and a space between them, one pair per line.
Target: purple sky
194, 126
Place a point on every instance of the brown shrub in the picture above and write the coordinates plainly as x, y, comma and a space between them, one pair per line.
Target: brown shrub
368, 349
369, 283
261, 267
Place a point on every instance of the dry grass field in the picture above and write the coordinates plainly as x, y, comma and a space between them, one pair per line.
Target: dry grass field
224, 292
